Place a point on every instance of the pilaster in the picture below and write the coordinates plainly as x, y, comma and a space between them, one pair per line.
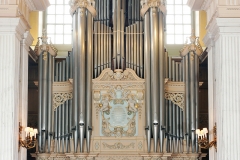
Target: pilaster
23, 85
11, 31
224, 68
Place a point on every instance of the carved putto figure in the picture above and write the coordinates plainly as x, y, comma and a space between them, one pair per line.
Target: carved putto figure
105, 104
131, 104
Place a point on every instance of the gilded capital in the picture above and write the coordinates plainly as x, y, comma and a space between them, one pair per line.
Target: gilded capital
146, 4
88, 4
192, 46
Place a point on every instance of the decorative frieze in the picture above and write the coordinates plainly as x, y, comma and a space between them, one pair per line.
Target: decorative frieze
118, 146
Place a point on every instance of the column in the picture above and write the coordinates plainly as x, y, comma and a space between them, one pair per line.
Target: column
11, 31
23, 85
225, 90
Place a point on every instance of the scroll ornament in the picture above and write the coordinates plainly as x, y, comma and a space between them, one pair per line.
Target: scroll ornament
118, 145
89, 4
146, 4
176, 98
60, 98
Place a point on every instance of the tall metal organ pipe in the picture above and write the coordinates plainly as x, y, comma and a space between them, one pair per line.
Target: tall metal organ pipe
164, 119
154, 75
89, 80
147, 71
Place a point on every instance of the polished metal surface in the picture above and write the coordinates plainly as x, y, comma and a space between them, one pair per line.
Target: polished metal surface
40, 91
147, 76
49, 105
110, 48
44, 101
102, 47
123, 61
75, 82
95, 59
170, 123
89, 80
127, 47
187, 105
81, 74
154, 75
131, 47
67, 107
161, 81
133, 12
114, 59
137, 48
196, 85
174, 129
192, 101
141, 50
99, 48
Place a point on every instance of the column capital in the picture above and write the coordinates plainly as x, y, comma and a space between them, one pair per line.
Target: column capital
220, 26
27, 40
88, 4
13, 25
146, 4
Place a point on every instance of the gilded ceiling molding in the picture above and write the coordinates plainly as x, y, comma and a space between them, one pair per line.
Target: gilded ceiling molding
146, 4
88, 4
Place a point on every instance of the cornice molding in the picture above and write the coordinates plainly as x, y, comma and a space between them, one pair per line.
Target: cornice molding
38, 5
8, 10
31, 5
195, 5
220, 26
13, 25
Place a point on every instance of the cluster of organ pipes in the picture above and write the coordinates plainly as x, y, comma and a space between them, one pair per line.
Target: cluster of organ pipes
118, 38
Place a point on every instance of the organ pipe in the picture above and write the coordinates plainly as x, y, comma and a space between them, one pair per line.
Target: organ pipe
147, 71
135, 43
88, 80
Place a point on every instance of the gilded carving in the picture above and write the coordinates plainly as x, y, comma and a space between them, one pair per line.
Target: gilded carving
97, 145
118, 145
119, 103
176, 98
118, 75
140, 145
60, 98
74, 4
193, 46
153, 3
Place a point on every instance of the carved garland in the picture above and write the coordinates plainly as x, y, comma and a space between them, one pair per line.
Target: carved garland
118, 145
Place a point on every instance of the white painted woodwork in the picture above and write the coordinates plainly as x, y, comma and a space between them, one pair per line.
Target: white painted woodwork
23, 86
13, 85
224, 86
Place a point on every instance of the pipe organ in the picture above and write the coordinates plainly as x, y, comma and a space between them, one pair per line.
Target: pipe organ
118, 92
